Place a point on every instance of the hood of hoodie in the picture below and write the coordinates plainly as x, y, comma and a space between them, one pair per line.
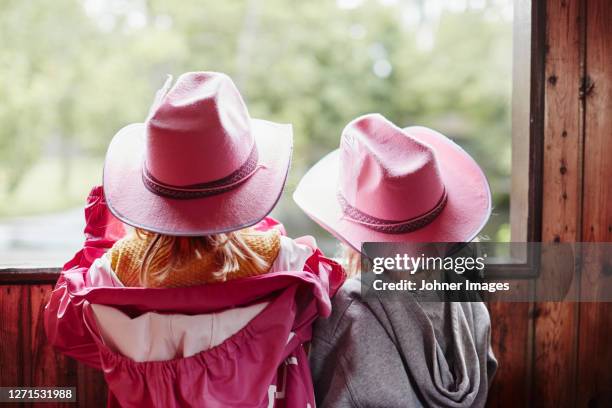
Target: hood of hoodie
444, 345
415, 351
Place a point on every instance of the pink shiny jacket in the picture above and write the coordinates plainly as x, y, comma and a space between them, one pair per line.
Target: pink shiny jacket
262, 365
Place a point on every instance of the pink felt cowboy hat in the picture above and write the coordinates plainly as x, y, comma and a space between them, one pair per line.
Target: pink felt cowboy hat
200, 164
386, 184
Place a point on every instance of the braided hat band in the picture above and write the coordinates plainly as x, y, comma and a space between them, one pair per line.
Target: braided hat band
389, 226
206, 189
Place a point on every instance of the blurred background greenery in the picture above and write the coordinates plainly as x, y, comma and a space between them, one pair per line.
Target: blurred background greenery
73, 72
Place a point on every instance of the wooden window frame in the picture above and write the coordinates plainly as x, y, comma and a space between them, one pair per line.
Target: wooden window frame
528, 84
528, 81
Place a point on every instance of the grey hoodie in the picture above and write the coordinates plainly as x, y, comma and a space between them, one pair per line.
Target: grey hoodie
398, 352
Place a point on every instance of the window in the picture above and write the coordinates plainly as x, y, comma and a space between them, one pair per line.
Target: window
81, 69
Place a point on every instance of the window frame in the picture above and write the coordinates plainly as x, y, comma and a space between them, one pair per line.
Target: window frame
527, 132
526, 220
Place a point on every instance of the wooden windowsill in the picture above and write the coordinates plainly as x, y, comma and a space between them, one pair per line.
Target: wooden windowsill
30, 276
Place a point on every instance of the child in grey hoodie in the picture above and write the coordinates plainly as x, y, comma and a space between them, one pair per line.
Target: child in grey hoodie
413, 185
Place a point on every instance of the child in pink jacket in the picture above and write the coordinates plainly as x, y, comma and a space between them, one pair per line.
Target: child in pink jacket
204, 302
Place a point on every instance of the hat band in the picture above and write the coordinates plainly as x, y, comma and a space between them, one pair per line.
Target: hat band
391, 227
206, 189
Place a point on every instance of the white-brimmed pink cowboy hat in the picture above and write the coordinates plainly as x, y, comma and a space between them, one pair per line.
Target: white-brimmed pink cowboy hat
200, 164
386, 184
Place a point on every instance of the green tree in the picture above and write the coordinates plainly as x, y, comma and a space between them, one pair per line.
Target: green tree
74, 72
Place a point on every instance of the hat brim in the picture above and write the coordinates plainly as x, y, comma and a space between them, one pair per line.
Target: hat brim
466, 212
131, 202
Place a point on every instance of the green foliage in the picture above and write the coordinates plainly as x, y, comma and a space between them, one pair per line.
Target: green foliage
74, 72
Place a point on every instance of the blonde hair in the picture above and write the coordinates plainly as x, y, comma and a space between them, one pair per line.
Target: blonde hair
165, 253
350, 261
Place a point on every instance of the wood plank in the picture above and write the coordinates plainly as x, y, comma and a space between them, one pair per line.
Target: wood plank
555, 324
12, 301
50, 368
28, 276
511, 341
594, 352
26, 359
14, 335
46, 366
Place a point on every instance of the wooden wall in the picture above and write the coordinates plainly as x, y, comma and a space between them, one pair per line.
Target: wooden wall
551, 354
560, 354
26, 359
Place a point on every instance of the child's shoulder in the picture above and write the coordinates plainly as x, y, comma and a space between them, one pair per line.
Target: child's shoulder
266, 243
127, 252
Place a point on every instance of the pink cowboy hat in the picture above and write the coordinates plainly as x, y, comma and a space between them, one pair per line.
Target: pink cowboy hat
386, 184
200, 164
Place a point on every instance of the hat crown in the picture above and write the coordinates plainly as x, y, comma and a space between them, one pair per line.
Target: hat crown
385, 172
197, 132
